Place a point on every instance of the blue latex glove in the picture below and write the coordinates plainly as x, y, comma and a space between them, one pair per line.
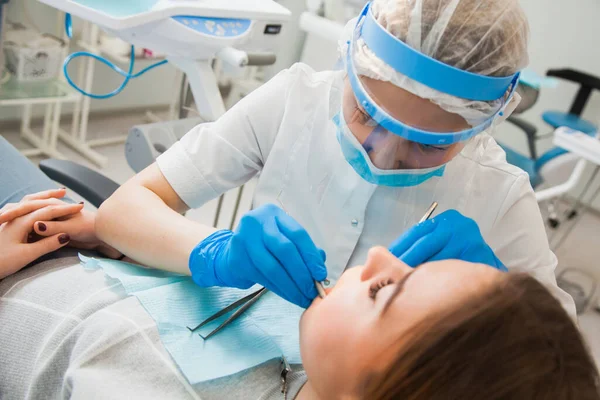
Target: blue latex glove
269, 248
450, 235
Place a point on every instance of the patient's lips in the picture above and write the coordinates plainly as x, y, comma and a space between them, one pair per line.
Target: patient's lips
318, 299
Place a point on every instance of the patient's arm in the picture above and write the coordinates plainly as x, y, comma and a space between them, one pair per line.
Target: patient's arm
143, 220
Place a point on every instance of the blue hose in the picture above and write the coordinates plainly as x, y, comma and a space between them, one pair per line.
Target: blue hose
68, 26
127, 75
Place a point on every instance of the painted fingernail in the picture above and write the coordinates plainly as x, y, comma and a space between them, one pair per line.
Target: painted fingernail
64, 238
42, 227
62, 188
81, 202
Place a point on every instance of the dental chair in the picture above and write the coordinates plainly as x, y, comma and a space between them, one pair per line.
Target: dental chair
556, 165
572, 119
144, 144
89, 184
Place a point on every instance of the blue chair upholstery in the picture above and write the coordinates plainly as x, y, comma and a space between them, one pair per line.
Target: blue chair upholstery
530, 166
557, 119
525, 163
548, 156
555, 152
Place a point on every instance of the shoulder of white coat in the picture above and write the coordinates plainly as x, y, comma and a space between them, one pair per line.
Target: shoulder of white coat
302, 75
493, 171
309, 75
312, 90
487, 154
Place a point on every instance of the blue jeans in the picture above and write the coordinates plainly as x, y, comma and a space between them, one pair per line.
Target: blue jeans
19, 176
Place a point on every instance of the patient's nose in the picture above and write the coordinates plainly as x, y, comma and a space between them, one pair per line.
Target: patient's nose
381, 261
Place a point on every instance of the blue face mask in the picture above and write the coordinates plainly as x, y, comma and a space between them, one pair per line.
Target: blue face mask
358, 158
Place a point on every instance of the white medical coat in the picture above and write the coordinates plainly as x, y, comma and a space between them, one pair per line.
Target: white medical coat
284, 131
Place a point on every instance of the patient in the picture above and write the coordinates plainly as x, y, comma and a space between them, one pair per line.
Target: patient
445, 330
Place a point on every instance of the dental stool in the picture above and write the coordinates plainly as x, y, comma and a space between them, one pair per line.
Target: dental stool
572, 119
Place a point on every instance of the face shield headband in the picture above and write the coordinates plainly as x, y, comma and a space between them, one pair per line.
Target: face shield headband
427, 71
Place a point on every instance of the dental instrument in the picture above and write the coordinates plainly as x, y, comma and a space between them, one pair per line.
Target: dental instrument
320, 289
318, 285
244, 303
261, 334
429, 212
249, 300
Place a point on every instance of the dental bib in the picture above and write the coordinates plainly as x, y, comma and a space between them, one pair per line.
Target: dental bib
267, 330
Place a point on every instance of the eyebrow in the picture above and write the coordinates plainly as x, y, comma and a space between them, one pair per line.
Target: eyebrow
399, 286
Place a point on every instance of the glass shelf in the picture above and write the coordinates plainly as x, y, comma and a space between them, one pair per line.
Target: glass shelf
53, 89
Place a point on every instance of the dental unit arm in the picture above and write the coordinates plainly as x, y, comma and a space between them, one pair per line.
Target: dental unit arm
191, 33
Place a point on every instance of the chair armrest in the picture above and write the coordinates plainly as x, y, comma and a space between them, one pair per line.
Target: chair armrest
89, 184
530, 131
587, 83
576, 76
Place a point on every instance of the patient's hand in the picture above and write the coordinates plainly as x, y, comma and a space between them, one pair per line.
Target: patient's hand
78, 225
16, 227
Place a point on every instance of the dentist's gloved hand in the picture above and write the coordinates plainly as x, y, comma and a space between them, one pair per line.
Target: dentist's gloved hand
450, 235
269, 248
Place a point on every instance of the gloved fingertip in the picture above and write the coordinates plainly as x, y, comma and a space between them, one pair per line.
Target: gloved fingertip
428, 224
300, 301
392, 249
501, 267
321, 273
408, 260
318, 271
310, 291
304, 304
323, 254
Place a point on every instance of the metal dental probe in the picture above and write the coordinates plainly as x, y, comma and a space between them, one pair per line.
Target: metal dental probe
429, 212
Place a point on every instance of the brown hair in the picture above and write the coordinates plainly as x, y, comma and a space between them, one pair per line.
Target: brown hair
512, 341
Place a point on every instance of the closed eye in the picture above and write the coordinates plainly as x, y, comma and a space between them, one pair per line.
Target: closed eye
399, 287
377, 286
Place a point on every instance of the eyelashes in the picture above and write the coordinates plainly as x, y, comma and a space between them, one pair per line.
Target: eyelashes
429, 148
377, 286
365, 119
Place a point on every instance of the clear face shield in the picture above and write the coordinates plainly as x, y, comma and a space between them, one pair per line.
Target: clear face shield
393, 146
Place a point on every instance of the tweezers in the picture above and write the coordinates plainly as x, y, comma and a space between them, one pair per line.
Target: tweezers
429, 212
243, 304
246, 302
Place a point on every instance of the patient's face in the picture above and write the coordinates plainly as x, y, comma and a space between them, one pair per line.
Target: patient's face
361, 324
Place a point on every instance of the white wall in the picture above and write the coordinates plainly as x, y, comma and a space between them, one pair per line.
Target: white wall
563, 34
152, 89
